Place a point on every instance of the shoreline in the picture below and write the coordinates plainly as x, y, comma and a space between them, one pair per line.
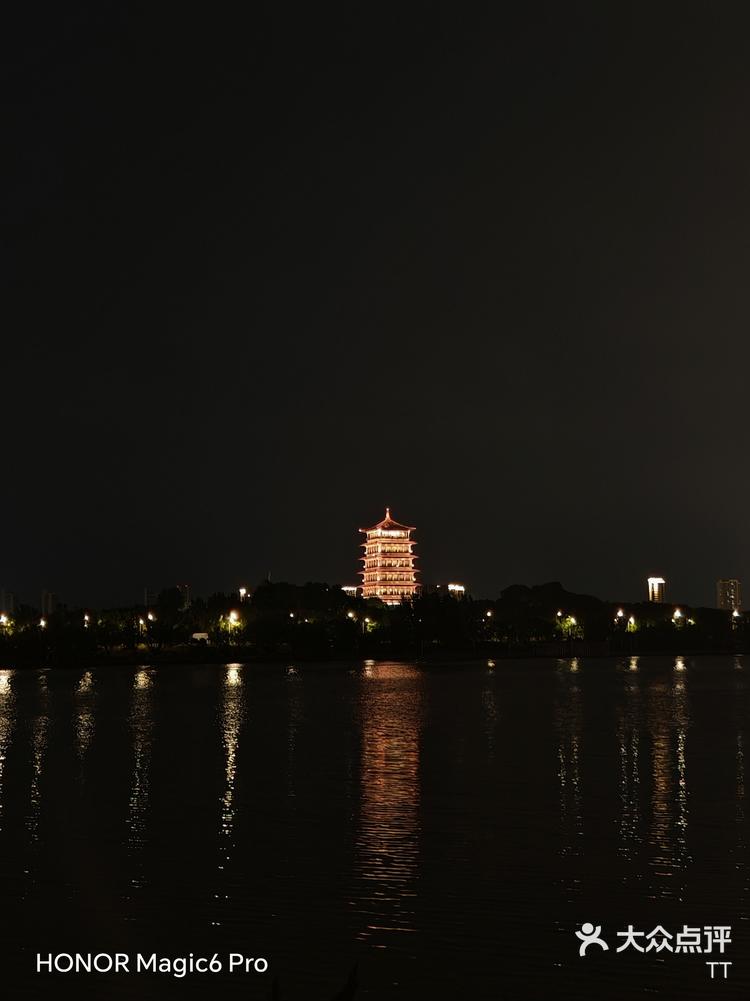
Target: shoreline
222, 656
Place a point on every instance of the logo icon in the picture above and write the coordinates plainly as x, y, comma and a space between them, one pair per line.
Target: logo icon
589, 935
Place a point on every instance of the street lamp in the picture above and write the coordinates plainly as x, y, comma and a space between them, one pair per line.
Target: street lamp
243, 593
232, 620
42, 623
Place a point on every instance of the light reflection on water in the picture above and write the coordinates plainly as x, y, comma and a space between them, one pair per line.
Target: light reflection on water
680, 717
295, 695
569, 726
6, 728
85, 716
141, 731
39, 729
232, 716
490, 717
386, 848
629, 738
668, 721
399, 805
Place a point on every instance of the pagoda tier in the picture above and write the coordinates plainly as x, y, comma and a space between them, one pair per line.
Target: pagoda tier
389, 572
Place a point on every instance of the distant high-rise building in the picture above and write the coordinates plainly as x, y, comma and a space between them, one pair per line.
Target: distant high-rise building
389, 572
656, 587
49, 603
728, 595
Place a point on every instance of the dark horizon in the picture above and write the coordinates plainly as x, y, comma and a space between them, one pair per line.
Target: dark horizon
265, 277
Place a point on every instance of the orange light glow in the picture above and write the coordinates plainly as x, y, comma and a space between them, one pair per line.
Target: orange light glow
389, 572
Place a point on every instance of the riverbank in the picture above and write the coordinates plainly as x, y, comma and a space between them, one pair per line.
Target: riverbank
203, 654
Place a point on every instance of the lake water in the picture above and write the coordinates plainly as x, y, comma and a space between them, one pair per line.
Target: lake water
448, 828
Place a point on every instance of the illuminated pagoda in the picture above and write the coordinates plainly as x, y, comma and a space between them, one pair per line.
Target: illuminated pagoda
389, 572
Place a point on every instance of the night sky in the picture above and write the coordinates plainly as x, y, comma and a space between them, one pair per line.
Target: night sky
263, 277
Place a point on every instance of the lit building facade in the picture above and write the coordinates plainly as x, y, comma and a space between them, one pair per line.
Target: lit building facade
728, 595
389, 572
656, 587
454, 590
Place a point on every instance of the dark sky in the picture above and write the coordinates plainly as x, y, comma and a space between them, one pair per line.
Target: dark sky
264, 276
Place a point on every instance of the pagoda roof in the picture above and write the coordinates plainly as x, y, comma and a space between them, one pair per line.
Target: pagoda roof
389, 523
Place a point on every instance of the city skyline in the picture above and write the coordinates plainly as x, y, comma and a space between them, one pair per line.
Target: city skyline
726, 591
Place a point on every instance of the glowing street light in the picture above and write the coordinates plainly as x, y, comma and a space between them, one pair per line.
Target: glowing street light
151, 617
677, 614
243, 593
559, 614
351, 615
42, 623
620, 613
488, 614
86, 620
3, 619
232, 620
